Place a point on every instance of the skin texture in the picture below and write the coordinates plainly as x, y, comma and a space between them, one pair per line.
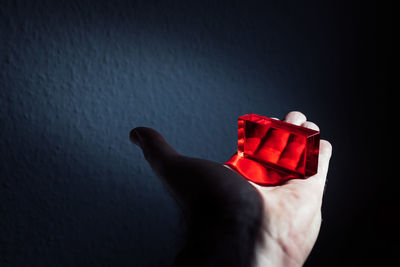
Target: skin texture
231, 221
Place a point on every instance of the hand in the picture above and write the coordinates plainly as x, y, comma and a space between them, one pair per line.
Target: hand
231, 221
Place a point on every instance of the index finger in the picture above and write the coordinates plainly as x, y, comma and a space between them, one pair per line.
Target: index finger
319, 179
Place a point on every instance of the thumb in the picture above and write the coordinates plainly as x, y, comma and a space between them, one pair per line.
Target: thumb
191, 181
155, 148
163, 159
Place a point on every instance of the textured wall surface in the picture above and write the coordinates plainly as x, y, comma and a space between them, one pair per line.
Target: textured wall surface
77, 76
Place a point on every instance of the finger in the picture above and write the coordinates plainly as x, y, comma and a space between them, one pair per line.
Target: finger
310, 125
187, 179
295, 117
253, 170
276, 140
254, 134
300, 144
293, 152
155, 148
272, 145
325, 153
316, 183
295, 148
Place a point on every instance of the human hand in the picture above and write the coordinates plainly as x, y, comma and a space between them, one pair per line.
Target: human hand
231, 221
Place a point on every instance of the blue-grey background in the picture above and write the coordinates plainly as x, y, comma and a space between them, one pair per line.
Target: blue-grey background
77, 76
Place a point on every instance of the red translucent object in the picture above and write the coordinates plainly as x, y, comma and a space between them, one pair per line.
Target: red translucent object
271, 152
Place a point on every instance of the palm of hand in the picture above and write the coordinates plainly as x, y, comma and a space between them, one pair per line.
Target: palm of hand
292, 218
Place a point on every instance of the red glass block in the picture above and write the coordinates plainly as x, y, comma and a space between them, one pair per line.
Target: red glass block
271, 152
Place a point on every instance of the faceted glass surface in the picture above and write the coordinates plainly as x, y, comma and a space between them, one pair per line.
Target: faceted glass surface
271, 151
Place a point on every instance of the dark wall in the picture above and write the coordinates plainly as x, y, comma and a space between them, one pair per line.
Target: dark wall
76, 76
